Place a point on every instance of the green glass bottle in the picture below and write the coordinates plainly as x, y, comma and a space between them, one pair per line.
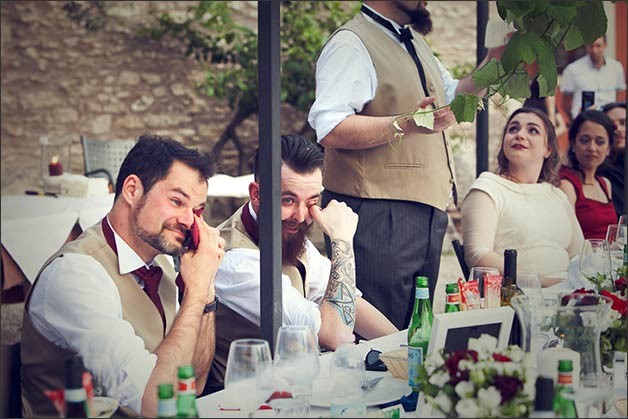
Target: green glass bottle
186, 392
509, 287
564, 403
75, 397
419, 331
452, 302
167, 405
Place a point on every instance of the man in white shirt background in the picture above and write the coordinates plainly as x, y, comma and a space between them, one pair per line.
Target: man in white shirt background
593, 72
110, 295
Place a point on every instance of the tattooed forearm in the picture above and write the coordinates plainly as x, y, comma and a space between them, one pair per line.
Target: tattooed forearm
340, 291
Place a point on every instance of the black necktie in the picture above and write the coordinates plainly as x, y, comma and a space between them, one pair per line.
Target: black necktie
405, 37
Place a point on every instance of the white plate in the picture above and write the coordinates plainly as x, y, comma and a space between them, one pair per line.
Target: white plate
103, 407
387, 390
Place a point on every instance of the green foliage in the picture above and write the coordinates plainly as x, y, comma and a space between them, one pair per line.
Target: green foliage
91, 15
212, 35
542, 27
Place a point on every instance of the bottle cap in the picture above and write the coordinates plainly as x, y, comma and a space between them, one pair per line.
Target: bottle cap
451, 288
421, 281
186, 371
165, 391
544, 399
565, 365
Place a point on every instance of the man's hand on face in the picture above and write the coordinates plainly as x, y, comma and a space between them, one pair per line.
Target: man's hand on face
336, 220
198, 268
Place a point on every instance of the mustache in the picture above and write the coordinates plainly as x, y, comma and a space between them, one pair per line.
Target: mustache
292, 225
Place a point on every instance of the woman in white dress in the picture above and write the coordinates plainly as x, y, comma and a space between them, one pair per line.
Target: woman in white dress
520, 207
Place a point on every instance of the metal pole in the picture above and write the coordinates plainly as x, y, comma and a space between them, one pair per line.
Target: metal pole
268, 20
481, 126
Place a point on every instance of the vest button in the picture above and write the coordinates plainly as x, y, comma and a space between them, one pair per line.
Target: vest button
431, 87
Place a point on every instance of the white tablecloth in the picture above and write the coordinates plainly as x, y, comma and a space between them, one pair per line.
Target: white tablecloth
34, 227
208, 406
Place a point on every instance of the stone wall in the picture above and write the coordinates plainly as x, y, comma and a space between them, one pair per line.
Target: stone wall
60, 79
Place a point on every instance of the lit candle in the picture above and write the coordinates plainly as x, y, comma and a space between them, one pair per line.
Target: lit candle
55, 168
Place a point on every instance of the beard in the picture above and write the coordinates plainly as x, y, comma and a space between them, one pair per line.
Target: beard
420, 18
156, 240
293, 244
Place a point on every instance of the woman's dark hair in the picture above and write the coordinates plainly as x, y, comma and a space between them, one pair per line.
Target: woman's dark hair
152, 156
551, 165
610, 106
595, 116
298, 153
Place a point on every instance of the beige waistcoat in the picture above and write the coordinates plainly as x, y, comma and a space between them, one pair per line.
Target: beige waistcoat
229, 324
43, 361
419, 167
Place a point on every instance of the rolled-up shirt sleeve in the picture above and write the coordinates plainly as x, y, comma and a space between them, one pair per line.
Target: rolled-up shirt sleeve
77, 306
238, 287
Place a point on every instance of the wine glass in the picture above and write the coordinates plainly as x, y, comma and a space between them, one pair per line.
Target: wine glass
622, 231
594, 259
248, 379
297, 360
615, 237
478, 273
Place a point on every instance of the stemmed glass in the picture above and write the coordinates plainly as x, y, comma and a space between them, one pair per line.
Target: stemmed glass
615, 236
297, 360
595, 258
622, 231
248, 379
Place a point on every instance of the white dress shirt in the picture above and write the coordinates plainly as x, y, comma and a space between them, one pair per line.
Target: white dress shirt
582, 75
85, 316
346, 79
238, 286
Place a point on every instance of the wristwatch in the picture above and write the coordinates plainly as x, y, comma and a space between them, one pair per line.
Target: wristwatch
213, 306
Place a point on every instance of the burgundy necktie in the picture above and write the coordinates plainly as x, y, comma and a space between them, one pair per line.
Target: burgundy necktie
151, 277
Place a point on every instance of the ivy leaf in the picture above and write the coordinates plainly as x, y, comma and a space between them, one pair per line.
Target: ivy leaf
464, 107
563, 11
515, 9
548, 77
488, 74
424, 119
589, 24
517, 86
520, 47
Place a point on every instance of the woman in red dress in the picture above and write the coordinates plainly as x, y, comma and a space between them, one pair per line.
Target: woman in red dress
590, 142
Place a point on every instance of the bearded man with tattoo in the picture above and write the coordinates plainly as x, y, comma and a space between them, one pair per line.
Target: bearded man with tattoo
317, 292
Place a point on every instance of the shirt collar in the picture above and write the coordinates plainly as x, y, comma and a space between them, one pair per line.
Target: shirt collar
128, 259
367, 17
252, 211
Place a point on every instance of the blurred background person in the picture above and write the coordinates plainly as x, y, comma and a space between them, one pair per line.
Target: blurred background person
593, 72
614, 166
590, 143
520, 206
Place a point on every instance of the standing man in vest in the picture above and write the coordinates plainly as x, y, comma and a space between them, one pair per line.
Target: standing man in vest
110, 295
317, 292
373, 69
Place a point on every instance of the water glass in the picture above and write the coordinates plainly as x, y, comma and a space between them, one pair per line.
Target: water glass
594, 259
248, 379
615, 246
478, 273
297, 360
348, 373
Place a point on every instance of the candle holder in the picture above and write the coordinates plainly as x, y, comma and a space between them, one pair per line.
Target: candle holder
55, 160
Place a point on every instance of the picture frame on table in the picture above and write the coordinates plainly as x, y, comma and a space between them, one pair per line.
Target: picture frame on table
452, 331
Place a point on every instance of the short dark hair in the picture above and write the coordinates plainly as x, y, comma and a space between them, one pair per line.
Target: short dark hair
610, 106
595, 116
152, 156
299, 153
551, 165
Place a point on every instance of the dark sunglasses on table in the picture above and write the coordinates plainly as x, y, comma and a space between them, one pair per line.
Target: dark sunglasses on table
372, 361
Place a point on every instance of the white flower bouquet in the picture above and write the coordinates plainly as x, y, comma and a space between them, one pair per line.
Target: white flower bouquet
479, 382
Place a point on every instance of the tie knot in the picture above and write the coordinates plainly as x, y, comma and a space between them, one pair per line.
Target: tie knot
151, 277
405, 35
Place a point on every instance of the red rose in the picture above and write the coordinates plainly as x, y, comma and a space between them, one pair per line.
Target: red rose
501, 358
619, 304
581, 296
621, 284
